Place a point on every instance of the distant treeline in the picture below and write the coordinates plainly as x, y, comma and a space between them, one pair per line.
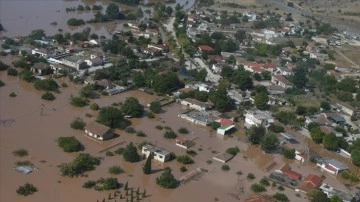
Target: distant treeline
128, 2
85, 8
351, 13
234, 5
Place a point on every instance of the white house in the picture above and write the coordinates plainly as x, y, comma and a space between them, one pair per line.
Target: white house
204, 87
331, 165
42, 52
258, 118
331, 191
250, 15
281, 81
195, 104
98, 131
157, 153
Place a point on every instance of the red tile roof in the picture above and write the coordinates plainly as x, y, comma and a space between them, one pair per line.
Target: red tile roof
292, 174
224, 121
310, 182
205, 48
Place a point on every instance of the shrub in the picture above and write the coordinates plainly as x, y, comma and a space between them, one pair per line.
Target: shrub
251, 176
69, 144
78, 124
94, 106
64, 85
78, 101
23, 163
140, 134
276, 128
115, 170
183, 130
89, 184
348, 175
170, 134
26, 189
130, 129
257, 188
225, 167
281, 188
48, 96
12, 94
183, 169
2, 83
209, 161
109, 153
233, 150
184, 159
12, 72
119, 151
215, 125
3, 66
20, 152
191, 152
159, 127
280, 197
150, 115
264, 181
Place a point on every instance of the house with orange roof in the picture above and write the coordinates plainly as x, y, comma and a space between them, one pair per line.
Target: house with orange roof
310, 182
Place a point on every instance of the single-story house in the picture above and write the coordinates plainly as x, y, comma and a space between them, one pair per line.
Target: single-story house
74, 62
223, 157
98, 131
223, 129
287, 171
331, 191
337, 119
195, 104
157, 153
184, 142
281, 81
205, 48
346, 108
40, 68
310, 182
331, 165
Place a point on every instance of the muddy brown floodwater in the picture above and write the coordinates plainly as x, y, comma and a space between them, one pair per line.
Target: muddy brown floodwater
38, 133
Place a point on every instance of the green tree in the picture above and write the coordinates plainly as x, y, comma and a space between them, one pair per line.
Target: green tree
155, 107
317, 195
147, 166
167, 179
169, 134
69, 144
132, 107
299, 79
330, 141
82, 163
261, 100
26, 189
317, 135
184, 159
270, 143
113, 12
233, 150
289, 153
78, 101
325, 105
255, 134
221, 100
130, 153
12, 72
281, 197
112, 117
347, 85
355, 157
88, 91
46, 85
257, 188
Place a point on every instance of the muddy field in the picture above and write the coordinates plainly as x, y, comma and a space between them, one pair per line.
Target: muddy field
38, 133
